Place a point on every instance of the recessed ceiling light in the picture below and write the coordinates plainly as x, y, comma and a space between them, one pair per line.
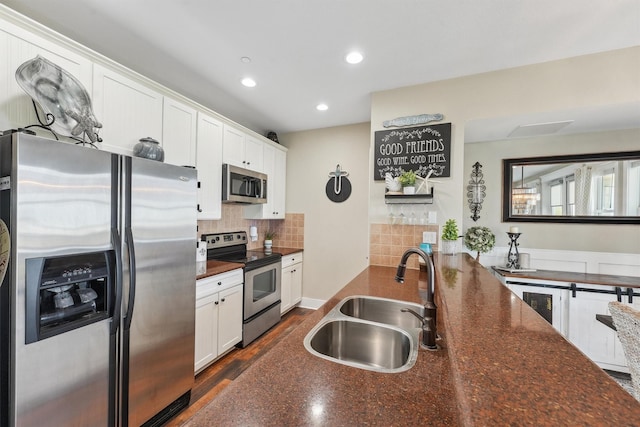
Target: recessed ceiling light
354, 58
245, 59
322, 107
248, 82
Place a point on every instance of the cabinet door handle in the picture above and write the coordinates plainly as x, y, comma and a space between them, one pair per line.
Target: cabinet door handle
222, 300
219, 283
216, 303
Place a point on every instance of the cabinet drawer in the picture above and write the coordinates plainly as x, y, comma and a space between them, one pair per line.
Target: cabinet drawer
291, 259
219, 282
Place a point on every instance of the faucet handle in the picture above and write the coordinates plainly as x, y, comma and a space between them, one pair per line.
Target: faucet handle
408, 310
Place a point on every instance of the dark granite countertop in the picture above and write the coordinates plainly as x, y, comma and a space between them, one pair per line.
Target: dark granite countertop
501, 364
213, 267
286, 251
567, 276
217, 267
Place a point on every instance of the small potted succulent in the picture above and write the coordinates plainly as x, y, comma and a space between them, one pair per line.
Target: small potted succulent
408, 182
449, 237
268, 239
479, 239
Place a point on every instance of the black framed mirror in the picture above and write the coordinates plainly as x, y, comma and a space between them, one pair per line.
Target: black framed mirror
601, 188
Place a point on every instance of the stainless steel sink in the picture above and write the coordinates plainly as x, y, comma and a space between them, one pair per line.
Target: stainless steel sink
382, 310
363, 345
368, 333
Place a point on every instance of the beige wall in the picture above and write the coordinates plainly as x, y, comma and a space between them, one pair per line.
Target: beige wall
337, 235
592, 80
336, 240
551, 236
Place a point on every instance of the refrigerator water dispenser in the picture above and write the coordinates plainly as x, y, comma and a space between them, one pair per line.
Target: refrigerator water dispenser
67, 292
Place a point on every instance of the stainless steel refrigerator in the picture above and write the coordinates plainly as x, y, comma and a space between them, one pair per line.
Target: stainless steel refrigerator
97, 307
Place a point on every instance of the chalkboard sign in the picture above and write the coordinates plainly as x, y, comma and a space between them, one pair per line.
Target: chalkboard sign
421, 149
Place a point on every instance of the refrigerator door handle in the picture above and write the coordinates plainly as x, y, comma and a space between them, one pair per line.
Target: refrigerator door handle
117, 246
128, 239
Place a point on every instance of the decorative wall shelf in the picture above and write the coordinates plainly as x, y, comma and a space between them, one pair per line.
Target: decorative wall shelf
409, 199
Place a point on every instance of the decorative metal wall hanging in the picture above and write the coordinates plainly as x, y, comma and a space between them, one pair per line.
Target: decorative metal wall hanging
338, 187
413, 120
476, 191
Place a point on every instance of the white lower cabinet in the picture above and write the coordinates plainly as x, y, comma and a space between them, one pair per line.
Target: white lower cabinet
550, 303
573, 314
599, 342
218, 316
291, 284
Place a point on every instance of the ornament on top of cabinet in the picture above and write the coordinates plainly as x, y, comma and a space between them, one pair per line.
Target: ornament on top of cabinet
273, 136
63, 99
338, 187
149, 148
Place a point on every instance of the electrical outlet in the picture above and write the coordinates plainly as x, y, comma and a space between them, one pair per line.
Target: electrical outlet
433, 218
429, 237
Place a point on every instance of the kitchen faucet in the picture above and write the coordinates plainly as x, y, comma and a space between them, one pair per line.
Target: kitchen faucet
430, 308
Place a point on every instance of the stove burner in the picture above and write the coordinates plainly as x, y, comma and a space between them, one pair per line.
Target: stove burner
232, 247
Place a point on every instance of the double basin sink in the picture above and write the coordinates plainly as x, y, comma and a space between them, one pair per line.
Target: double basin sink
368, 333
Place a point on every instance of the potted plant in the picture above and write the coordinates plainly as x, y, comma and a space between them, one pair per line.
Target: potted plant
479, 239
268, 239
449, 237
408, 182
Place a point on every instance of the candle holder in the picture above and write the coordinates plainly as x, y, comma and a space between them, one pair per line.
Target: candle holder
513, 259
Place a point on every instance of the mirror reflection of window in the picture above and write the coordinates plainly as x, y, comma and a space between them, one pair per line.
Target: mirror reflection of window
571, 195
605, 192
556, 198
633, 189
589, 188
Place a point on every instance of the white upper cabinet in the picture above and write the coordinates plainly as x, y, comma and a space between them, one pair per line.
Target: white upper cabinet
275, 166
209, 165
178, 133
127, 109
280, 184
253, 153
241, 150
18, 46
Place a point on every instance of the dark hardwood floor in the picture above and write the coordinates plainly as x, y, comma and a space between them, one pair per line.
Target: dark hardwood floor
219, 375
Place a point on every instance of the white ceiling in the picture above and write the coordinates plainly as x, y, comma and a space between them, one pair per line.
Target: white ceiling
297, 47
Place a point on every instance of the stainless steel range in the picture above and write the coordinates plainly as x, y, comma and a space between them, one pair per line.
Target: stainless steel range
262, 271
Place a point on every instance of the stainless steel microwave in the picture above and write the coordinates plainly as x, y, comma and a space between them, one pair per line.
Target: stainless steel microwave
243, 185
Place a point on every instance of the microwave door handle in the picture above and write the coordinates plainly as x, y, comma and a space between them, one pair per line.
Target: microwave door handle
247, 186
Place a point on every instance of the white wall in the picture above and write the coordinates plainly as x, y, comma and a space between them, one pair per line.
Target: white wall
336, 240
593, 80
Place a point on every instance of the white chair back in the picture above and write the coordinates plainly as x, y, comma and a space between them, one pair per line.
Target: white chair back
627, 323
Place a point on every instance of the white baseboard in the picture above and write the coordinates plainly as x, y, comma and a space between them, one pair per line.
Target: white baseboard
311, 303
620, 264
